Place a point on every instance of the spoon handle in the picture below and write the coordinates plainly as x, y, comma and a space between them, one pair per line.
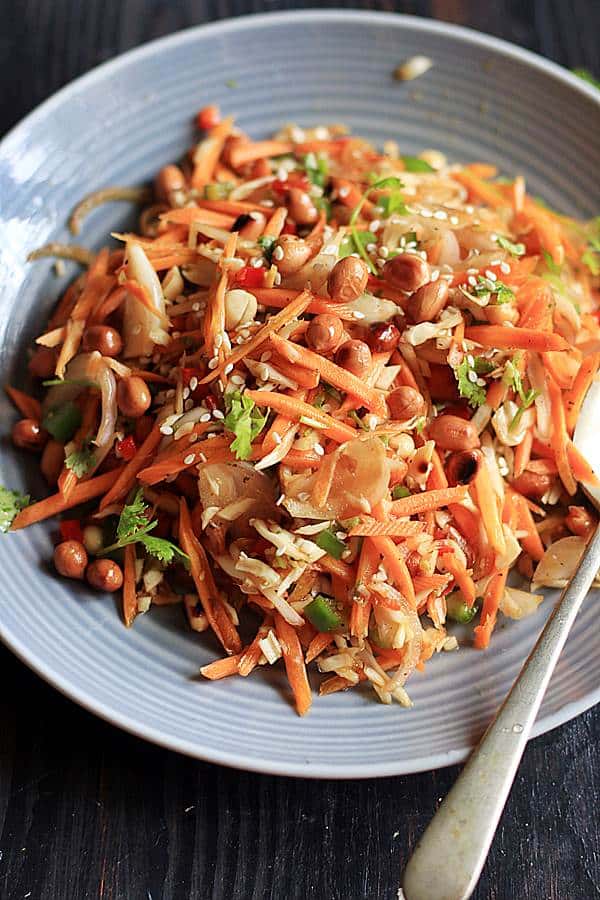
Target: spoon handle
448, 859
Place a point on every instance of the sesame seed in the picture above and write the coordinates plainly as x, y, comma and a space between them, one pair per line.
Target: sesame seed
228, 368
217, 414
277, 438
193, 383
205, 417
426, 213
189, 404
265, 357
371, 248
472, 376
343, 192
472, 280
495, 262
493, 236
318, 450
166, 430
278, 253
189, 459
213, 363
454, 220
440, 214
379, 210
384, 252
504, 268
471, 360
257, 262
201, 457
480, 382
469, 209
375, 225
195, 307
491, 275
472, 271
186, 393
435, 274
267, 203
357, 314
237, 379
277, 279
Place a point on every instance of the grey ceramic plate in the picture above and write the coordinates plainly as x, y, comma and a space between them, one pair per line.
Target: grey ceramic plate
482, 99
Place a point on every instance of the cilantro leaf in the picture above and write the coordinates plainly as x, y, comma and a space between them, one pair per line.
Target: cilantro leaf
591, 259
267, 244
415, 164
315, 168
510, 247
134, 527
11, 502
355, 242
389, 204
512, 378
468, 379
81, 461
585, 75
527, 398
488, 288
245, 421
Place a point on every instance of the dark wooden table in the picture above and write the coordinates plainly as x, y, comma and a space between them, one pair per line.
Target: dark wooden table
87, 811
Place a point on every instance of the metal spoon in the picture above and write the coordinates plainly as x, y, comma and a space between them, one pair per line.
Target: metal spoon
447, 861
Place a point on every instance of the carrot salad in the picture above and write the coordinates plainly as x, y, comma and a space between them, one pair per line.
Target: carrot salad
323, 399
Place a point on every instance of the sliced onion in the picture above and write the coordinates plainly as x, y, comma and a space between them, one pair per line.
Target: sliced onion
517, 604
142, 329
221, 484
558, 562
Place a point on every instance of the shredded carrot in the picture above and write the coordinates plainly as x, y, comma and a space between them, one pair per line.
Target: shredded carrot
523, 453
331, 373
320, 642
487, 503
129, 593
250, 657
56, 503
529, 538
368, 563
248, 151
479, 190
298, 410
274, 226
559, 437
396, 568
222, 668
489, 612
579, 466
195, 215
427, 500
280, 297
505, 338
294, 664
496, 394
399, 528
208, 151
463, 580
293, 309
574, 397
120, 487
28, 406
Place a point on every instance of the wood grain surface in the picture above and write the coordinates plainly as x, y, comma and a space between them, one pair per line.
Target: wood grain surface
89, 812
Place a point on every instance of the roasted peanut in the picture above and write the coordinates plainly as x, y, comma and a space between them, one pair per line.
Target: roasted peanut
240, 307
43, 363
453, 433
52, 461
428, 302
70, 559
168, 183
406, 272
301, 208
383, 338
254, 227
104, 575
462, 467
133, 396
354, 356
104, 339
533, 484
404, 403
291, 253
348, 279
324, 333
28, 434
580, 521
500, 315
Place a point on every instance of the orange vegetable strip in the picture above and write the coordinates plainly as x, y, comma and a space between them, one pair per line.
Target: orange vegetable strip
301, 459
428, 500
563, 367
207, 153
121, 486
235, 208
291, 311
202, 574
559, 436
183, 258
547, 227
280, 297
489, 612
488, 507
222, 668
52, 338
294, 664
324, 480
531, 541
462, 578
249, 658
396, 568
399, 528
368, 563
496, 394
276, 433
28, 406
523, 453
56, 503
467, 523
129, 593
274, 226
294, 409
196, 215
580, 467
479, 190
320, 642
505, 338
73, 333
247, 151
437, 477
573, 398
482, 170
108, 306
340, 378
214, 319
303, 377
336, 567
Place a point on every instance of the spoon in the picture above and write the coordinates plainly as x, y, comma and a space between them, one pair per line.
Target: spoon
448, 859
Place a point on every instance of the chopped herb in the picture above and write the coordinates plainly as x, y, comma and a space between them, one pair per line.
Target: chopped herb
552, 267
245, 421
11, 502
321, 613
81, 461
348, 524
328, 541
391, 203
469, 377
527, 399
512, 378
134, 527
56, 382
315, 168
62, 421
586, 75
267, 244
399, 492
457, 609
415, 164
420, 424
356, 242
510, 247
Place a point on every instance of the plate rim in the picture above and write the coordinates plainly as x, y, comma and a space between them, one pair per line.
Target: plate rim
84, 698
